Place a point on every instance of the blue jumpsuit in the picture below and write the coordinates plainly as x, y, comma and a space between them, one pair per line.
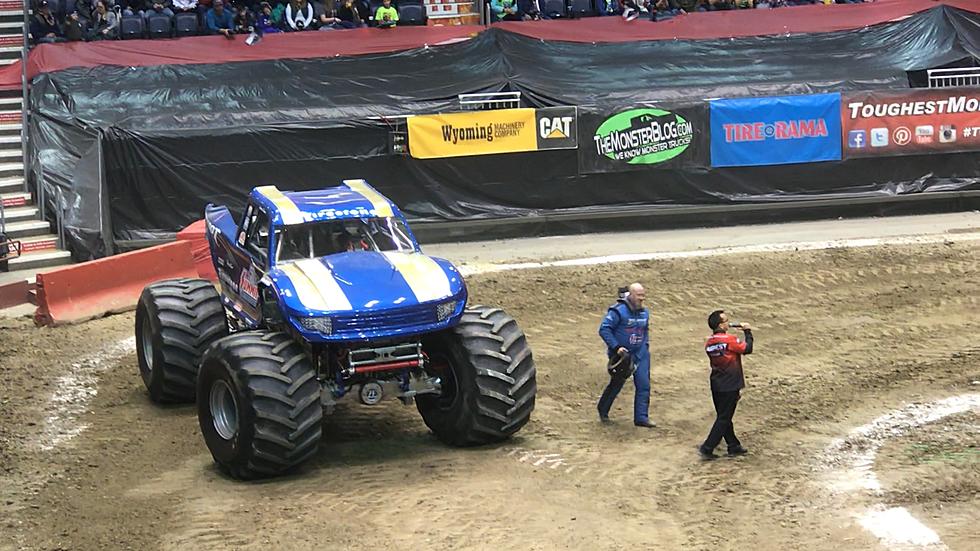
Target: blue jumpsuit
625, 327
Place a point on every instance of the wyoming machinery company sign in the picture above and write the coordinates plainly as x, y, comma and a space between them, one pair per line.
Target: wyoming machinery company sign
492, 132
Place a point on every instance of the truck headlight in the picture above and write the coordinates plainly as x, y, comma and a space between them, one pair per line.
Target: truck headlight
445, 310
320, 325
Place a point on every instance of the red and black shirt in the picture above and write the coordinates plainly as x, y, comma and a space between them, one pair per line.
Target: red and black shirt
725, 354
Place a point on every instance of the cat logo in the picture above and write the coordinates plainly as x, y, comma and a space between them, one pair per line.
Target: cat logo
551, 128
556, 127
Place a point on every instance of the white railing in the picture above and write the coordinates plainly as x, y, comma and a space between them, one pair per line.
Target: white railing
960, 76
490, 100
24, 87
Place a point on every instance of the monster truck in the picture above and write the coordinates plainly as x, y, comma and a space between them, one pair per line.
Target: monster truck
326, 294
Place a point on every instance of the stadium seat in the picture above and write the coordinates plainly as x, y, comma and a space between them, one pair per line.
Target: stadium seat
159, 26
553, 9
581, 8
186, 24
130, 26
373, 8
412, 14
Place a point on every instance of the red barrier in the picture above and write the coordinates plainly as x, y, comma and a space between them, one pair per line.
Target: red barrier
195, 234
113, 284
14, 293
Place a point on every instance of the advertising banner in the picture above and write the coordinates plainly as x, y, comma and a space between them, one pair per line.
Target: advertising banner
642, 138
492, 132
911, 122
775, 130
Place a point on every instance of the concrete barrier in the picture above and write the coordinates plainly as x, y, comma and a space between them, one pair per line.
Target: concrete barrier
196, 235
113, 284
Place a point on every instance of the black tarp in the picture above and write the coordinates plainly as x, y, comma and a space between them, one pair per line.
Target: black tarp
173, 138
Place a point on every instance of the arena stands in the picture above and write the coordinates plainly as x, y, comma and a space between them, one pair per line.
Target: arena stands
76, 20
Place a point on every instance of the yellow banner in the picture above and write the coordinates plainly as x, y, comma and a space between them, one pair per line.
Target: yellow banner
476, 133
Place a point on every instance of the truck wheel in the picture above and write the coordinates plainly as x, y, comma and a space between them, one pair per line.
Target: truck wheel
176, 321
258, 403
488, 379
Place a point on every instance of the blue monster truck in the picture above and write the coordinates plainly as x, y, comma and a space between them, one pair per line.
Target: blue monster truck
326, 294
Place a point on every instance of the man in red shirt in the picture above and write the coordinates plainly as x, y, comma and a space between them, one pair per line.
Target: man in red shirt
725, 353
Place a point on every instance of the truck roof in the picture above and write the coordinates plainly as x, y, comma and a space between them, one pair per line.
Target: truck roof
354, 199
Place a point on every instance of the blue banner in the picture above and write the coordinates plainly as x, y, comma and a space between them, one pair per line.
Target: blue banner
775, 131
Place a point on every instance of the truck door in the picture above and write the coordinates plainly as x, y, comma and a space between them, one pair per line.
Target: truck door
250, 262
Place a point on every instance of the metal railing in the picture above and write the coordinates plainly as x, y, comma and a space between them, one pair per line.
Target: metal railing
25, 50
490, 100
959, 76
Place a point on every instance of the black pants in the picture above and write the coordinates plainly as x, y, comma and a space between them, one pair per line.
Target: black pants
725, 403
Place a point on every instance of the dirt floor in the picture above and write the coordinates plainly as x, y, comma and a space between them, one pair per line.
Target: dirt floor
843, 336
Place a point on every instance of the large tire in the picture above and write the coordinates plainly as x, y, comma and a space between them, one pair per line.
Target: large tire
176, 321
258, 404
488, 379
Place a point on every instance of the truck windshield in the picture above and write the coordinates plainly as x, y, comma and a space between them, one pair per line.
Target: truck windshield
337, 236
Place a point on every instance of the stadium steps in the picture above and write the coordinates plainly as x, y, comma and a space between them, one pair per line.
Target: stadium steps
43, 258
21, 216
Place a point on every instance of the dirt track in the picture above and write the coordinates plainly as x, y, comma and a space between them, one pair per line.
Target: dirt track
843, 336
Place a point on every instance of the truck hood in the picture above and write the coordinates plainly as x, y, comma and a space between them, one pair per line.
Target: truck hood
364, 281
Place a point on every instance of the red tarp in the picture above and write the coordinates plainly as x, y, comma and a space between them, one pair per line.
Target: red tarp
47, 58
216, 49
739, 23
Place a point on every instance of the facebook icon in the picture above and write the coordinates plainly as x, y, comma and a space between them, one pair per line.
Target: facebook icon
856, 140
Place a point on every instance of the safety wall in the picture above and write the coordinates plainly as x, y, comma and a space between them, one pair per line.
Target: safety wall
133, 154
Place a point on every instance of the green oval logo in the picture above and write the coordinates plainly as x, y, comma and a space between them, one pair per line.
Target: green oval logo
643, 136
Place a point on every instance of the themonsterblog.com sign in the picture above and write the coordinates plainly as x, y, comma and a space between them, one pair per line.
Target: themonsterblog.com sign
643, 136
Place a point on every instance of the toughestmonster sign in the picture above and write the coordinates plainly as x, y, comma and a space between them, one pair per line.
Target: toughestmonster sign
643, 136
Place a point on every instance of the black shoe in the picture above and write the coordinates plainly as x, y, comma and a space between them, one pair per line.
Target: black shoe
732, 452
604, 419
648, 424
706, 454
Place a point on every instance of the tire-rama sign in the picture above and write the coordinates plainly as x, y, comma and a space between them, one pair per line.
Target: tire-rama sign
492, 132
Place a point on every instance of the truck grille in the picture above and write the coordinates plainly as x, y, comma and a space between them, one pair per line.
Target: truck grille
402, 317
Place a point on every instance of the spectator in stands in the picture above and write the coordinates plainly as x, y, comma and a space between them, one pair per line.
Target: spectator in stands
75, 27
151, 7
299, 15
691, 6
608, 7
530, 10
243, 20
720, 5
278, 13
326, 16
264, 21
129, 7
665, 9
634, 8
202, 11
219, 20
105, 22
743, 4
505, 10
364, 10
44, 27
349, 16
386, 15
86, 10
185, 6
